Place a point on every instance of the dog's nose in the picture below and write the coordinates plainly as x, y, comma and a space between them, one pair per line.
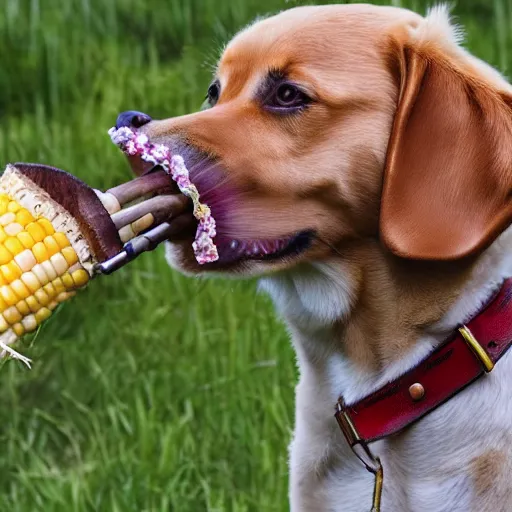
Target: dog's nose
132, 119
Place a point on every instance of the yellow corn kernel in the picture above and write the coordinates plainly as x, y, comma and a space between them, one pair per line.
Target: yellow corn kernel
59, 263
25, 260
58, 285
2, 280
18, 329
20, 289
42, 315
40, 274
4, 203
3, 305
23, 308
33, 304
40, 252
5, 255
26, 240
12, 315
13, 206
70, 255
50, 271
31, 282
13, 229
51, 245
52, 305
29, 323
3, 236
68, 281
76, 266
61, 239
46, 225
42, 297
80, 277
8, 295
7, 218
64, 296
23, 217
10, 271
3, 324
36, 231
13, 245
50, 290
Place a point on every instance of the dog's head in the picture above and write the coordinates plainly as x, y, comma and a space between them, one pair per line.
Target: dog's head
329, 124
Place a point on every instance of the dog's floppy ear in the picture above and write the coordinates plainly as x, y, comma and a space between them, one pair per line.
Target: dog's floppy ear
448, 177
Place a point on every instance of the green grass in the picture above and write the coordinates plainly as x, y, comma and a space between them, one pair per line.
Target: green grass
150, 391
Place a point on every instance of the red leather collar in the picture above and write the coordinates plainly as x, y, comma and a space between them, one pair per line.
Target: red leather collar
463, 358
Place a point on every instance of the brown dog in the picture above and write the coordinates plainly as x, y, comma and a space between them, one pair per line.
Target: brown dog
361, 160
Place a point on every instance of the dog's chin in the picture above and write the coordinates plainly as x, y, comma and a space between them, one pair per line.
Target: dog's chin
244, 258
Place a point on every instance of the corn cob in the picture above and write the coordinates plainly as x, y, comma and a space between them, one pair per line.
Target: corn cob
57, 233
44, 258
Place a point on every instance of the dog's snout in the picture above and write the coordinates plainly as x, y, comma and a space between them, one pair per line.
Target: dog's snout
132, 119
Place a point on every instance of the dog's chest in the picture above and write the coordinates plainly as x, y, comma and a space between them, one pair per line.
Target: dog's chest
436, 464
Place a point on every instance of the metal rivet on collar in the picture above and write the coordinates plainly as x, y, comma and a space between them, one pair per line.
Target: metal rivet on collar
417, 391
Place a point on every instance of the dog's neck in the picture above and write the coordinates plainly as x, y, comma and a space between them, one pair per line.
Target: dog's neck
366, 317
361, 320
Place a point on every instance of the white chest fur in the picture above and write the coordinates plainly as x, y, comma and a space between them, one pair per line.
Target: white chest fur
434, 465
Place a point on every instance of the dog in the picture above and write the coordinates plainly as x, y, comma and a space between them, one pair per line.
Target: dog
358, 160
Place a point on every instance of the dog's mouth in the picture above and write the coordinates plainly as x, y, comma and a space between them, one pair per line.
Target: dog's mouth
239, 250
227, 203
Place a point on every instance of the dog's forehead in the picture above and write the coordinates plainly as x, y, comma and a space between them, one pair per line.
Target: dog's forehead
309, 37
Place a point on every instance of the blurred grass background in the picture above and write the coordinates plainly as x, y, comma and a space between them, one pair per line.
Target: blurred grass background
150, 391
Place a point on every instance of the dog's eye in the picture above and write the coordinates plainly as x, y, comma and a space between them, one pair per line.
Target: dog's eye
213, 94
287, 97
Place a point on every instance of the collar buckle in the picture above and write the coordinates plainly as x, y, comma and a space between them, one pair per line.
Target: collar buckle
362, 452
477, 349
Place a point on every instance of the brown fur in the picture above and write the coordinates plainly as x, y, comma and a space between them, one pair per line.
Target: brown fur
421, 292
490, 476
487, 469
451, 133
372, 82
323, 170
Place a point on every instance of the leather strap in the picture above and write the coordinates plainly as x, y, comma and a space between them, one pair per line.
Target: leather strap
446, 371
